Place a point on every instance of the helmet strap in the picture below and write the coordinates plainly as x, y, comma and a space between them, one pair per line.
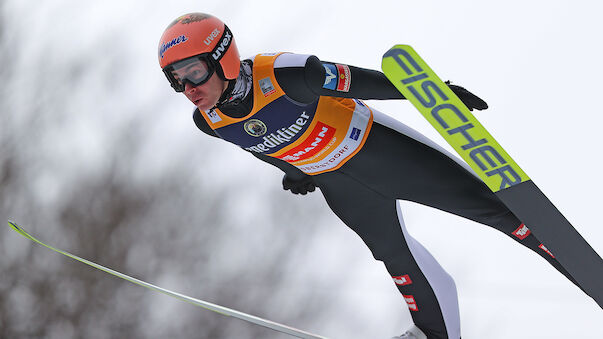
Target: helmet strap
220, 50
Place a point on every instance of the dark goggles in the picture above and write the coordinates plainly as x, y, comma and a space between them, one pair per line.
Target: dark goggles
196, 70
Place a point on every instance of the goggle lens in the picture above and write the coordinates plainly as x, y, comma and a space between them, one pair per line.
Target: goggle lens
195, 70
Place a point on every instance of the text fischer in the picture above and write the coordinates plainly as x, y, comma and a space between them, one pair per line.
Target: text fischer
485, 156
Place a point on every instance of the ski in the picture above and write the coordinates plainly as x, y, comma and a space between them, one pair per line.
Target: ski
204, 304
453, 120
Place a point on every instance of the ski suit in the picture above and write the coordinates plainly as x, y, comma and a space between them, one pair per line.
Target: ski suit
307, 117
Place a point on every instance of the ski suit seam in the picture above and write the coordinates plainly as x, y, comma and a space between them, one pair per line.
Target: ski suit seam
342, 171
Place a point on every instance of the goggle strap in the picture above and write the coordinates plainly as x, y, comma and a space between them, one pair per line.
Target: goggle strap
220, 49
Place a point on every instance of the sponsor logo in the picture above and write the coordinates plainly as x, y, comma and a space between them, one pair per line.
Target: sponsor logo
266, 86
355, 133
410, 301
330, 76
167, 45
213, 116
283, 135
475, 145
255, 127
317, 140
344, 78
337, 77
329, 163
268, 54
522, 232
402, 280
211, 36
190, 18
217, 55
542, 247
341, 152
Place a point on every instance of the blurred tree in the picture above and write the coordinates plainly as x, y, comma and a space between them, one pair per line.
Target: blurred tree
80, 174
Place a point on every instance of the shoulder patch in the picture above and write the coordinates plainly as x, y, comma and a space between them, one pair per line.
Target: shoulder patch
266, 86
337, 77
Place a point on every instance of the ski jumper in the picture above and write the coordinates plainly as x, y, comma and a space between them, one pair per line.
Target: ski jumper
303, 116
316, 137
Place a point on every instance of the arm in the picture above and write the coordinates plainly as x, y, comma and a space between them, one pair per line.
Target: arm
305, 82
364, 83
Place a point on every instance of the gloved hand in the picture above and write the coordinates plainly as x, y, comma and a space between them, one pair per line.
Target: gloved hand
301, 186
470, 100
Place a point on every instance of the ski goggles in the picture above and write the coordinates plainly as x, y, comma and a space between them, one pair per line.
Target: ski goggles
196, 70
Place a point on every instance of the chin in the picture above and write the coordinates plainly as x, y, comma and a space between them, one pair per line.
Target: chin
205, 106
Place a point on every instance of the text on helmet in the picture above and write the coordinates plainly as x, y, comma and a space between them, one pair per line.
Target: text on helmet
223, 46
211, 36
167, 45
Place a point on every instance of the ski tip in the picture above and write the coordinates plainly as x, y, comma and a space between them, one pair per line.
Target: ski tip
15, 226
19, 230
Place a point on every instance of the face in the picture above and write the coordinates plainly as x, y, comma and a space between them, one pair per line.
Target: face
206, 96
202, 86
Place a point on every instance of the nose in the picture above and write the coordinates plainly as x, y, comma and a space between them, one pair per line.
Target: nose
189, 88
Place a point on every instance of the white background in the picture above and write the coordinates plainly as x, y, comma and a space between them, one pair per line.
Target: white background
536, 63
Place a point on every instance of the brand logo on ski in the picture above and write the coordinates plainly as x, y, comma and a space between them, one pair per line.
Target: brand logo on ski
255, 127
522, 232
402, 280
445, 111
410, 301
453, 120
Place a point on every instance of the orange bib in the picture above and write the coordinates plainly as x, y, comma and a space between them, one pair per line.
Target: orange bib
316, 138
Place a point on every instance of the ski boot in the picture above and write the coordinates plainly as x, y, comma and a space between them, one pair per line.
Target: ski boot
413, 333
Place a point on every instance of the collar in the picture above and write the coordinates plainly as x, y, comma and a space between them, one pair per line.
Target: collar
238, 89
237, 99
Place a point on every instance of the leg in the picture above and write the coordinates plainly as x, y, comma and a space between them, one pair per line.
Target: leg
428, 290
413, 168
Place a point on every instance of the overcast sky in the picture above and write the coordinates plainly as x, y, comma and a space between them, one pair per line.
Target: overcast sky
536, 63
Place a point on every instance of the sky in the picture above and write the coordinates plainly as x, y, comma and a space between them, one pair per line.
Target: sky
536, 63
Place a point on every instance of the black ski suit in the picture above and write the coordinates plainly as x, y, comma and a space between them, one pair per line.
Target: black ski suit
395, 162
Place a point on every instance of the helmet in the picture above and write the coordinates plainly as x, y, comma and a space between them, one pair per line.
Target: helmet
200, 35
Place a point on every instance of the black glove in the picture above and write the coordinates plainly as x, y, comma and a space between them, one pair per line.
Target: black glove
301, 186
470, 100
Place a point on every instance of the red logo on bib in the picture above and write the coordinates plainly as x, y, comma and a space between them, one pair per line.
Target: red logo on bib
317, 140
